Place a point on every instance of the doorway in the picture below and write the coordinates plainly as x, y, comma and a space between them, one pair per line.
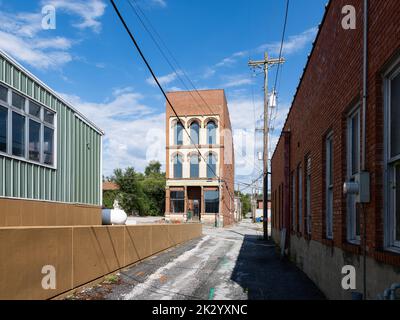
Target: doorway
194, 203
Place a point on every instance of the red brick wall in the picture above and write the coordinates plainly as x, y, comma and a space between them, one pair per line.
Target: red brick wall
331, 86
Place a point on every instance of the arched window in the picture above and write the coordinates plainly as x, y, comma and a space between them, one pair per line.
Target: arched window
211, 133
194, 166
178, 166
195, 133
211, 166
179, 134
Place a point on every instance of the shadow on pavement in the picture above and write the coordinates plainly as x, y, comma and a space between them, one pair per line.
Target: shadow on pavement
262, 273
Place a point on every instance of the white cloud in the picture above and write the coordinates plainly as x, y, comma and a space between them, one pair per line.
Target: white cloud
134, 133
243, 113
90, 11
32, 52
160, 3
232, 59
236, 81
22, 36
292, 45
164, 80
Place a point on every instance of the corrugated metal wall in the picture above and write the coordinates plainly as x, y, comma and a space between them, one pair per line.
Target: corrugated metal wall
77, 178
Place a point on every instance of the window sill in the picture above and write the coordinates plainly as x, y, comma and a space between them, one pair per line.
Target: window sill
389, 256
352, 247
27, 161
328, 242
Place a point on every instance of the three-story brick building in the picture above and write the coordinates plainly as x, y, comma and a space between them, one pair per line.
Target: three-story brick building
199, 158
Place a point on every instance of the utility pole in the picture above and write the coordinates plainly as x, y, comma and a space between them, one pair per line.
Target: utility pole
265, 64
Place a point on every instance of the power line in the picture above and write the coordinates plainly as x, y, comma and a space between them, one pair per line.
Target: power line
278, 74
181, 70
164, 93
282, 41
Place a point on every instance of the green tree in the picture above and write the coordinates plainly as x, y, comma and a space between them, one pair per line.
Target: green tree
154, 167
109, 197
139, 194
246, 202
154, 188
131, 196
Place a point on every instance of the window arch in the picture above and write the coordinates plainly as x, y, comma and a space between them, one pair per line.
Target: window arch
194, 166
178, 166
195, 133
211, 166
211, 132
178, 133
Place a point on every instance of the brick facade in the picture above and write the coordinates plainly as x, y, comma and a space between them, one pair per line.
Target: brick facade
330, 88
201, 106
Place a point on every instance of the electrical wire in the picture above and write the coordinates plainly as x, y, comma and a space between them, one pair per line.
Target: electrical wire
164, 93
174, 60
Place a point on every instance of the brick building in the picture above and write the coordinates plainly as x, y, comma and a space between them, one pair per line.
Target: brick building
321, 148
201, 184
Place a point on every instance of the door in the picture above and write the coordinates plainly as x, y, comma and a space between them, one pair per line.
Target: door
196, 210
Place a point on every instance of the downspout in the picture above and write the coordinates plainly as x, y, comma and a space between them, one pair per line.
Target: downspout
364, 137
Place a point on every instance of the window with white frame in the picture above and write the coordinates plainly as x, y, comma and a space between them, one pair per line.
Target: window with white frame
195, 133
308, 194
211, 166
293, 201
211, 133
300, 198
26, 128
194, 166
329, 186
353, 168
392, 221
178, 166
179, 133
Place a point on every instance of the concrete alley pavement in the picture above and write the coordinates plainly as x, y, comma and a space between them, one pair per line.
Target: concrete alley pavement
225, 264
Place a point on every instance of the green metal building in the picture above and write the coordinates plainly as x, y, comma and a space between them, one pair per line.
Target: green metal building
50, 154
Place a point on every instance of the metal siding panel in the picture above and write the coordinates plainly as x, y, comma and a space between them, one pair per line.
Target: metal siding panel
78, 177
63, 156
2, 69
72, 157
41, 183
8, 176
15, 81
29, 182
85, 153
59, 155
7, 76
14, 177
22, 179
23, 83
90, 182
2, 177
81, 167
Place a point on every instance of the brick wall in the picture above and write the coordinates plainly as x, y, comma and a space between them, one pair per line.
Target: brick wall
331, 86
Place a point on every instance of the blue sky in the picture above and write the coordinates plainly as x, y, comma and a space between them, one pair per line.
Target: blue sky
90, 61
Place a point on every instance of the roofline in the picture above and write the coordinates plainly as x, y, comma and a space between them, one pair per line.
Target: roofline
54, 93
194, 90
327, 7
